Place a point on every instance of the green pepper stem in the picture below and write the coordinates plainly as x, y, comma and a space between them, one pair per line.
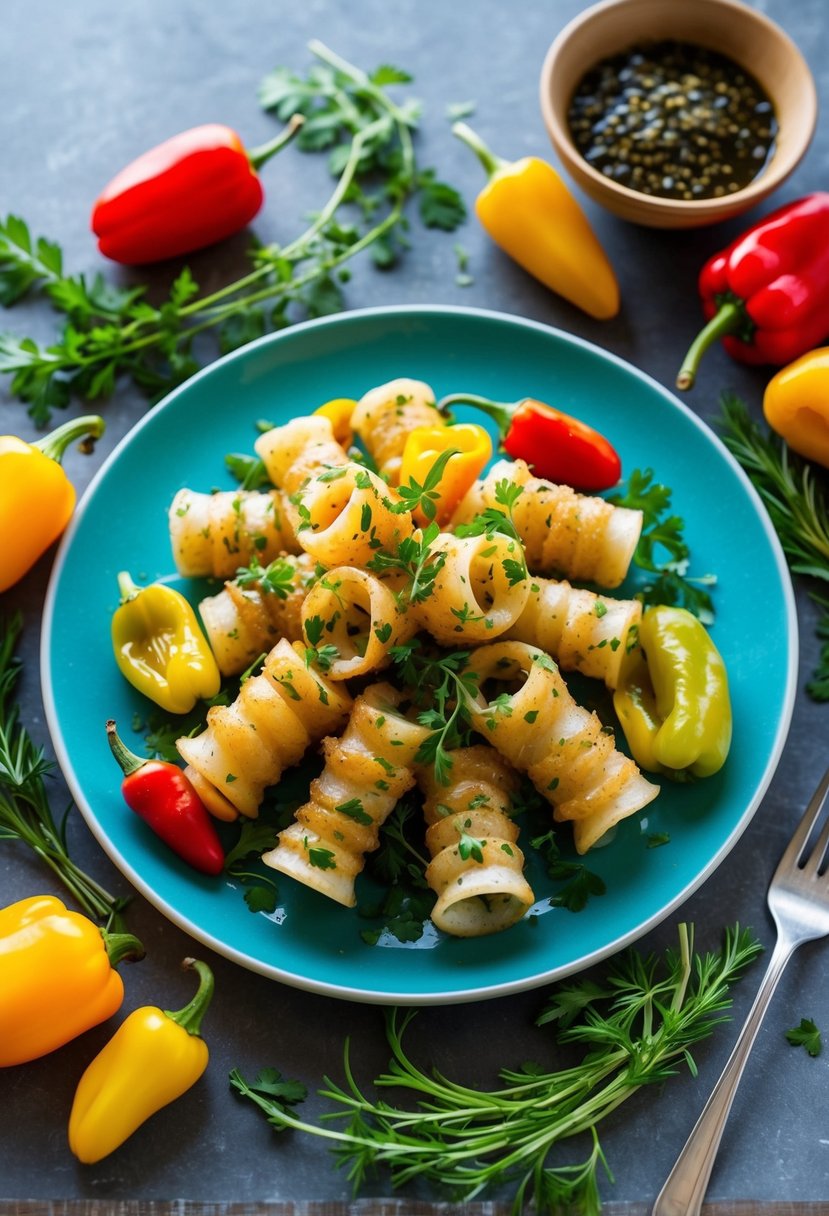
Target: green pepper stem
500, 412
120, 946
190, 1017
128, 761
89, 428
258, 156
727, 320
492, 164
127, 587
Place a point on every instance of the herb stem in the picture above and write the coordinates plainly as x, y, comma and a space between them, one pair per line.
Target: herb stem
25, 813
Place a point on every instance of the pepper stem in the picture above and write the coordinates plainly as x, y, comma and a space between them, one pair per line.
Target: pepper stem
258, 156
727, 320
128, 589
89, 428
492, 164
120, 946
129, 762
500, 412
190, 1017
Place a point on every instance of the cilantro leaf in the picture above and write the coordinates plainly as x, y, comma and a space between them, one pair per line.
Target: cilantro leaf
806, 1035
441, 206
255, 836
260, 897
662, 549
270, 1090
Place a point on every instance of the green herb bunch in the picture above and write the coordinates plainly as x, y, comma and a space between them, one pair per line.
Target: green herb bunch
111, 331
795, 497
662, 551
637, 1026
25, 813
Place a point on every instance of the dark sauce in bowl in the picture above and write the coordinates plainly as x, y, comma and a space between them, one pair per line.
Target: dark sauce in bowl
674, 120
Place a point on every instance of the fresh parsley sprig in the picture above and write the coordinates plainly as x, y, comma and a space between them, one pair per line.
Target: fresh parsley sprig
637, 1024
439, 683
499, 519
278, 578
806, 1035
416, 560
663, 531
109, 332
414, 496
321, 655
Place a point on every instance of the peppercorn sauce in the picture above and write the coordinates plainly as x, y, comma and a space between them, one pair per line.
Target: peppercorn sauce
674, 120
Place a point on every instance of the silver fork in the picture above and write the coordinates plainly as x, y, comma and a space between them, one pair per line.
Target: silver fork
798, 899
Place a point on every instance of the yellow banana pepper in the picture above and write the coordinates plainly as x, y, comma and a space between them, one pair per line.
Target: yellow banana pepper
153, 1058
796, 405
672, 701
57, 976
527, 210
160, 648
339, 411
36, 497
471, 449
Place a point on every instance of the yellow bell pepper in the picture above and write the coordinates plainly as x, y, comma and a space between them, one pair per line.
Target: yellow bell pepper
672, 700
527, 210
36, 497
57, 976
339, 411
471, 448
153, 1058
160, 648
796, 405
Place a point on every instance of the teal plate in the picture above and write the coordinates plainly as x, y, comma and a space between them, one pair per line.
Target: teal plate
309, 941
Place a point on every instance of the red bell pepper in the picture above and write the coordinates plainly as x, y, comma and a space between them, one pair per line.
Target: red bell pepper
164, 798
767, 294
188, 192
556, 446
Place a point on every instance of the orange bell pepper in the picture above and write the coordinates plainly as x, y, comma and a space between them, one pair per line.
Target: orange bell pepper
57, 976
36, 497
796, 405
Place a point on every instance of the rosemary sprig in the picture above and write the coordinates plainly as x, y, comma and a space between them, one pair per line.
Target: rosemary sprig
794, 495
637, 1026
25, 813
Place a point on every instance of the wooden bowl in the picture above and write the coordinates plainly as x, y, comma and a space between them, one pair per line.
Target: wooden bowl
741, 33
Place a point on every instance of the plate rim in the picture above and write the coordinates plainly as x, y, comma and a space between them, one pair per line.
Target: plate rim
480, 992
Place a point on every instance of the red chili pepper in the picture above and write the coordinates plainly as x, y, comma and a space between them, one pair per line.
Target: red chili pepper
555, 445
190, 191
767, 294
163, 797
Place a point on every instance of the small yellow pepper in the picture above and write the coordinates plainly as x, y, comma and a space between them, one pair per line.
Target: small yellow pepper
36, 497
57, 976
339, 411
672, 701
471, 448
153, 1058
796, 405
160, 648
527, 210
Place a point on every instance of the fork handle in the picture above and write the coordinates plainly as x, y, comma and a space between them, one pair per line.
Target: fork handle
684, 1190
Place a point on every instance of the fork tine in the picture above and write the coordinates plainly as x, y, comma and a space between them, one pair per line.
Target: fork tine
797, 844
814, 861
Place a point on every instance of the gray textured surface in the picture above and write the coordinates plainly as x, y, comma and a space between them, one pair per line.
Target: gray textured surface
85, 87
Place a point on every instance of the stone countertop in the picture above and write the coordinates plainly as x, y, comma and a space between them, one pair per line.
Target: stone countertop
83, 89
